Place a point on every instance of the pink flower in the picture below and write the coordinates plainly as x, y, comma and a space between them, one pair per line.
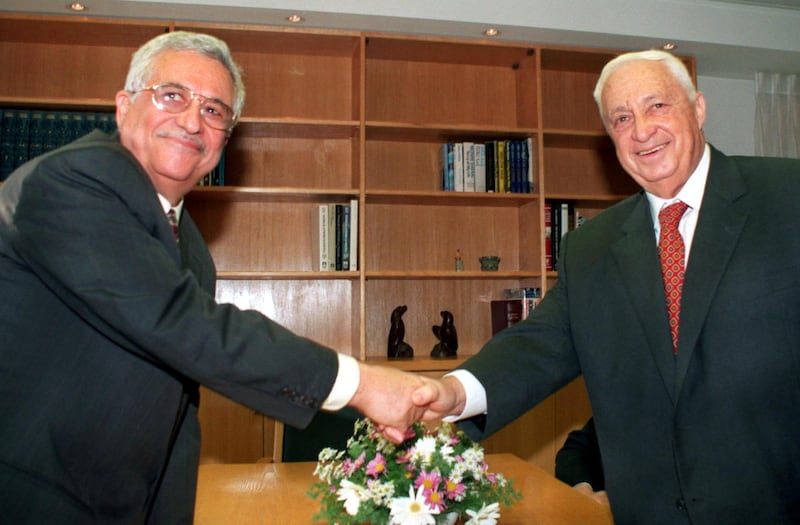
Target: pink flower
377, 466
349, 466
454, 490
434, 500
428, 481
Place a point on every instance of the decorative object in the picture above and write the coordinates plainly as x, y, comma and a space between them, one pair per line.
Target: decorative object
489, 263
459, 262
447, 336
434, 477
396, 347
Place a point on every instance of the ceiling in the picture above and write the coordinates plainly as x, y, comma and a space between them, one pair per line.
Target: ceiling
729, 38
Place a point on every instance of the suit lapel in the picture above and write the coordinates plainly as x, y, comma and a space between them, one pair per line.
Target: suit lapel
637, 257
722, 216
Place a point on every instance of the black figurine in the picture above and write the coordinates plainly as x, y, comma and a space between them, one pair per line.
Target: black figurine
448, 339
397, 348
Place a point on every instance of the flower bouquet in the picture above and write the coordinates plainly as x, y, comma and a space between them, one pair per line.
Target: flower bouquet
434, 477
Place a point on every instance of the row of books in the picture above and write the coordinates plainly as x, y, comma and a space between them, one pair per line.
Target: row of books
517, 304
335, 239
27, 133
502, 166
559, 218
215, 177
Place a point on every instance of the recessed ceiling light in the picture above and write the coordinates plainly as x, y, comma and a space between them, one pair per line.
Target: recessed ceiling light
492, 31
295, 19
77, 6
669, 46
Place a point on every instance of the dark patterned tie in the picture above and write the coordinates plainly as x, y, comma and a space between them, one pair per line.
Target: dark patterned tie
172, 217
672, 252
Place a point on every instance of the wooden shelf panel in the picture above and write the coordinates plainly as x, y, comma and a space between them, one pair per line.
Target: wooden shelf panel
303, 307
420, 363
454, 83
294, 74
438, 132
252, 236
92, 67
267, 195
426, 238
437, 275
585, 171
450, 198
56, 104
287, 276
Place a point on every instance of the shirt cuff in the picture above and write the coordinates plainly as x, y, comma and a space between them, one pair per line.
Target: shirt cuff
475, 402
344, 388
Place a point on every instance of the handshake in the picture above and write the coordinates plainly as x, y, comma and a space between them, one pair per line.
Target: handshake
394, 400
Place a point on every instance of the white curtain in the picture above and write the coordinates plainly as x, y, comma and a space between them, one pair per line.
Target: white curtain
777, 120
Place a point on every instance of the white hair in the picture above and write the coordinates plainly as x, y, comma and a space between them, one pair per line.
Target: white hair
674, 65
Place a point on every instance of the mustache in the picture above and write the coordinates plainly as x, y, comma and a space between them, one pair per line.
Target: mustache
183, 137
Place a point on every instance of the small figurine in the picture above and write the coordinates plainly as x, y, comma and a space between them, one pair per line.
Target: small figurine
459, 262
397, 348
448, 339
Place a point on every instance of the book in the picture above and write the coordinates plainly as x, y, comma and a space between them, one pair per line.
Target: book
344, 236
489, 151
469, 166
458, 166
531, 297
530, 165
548, 236
500, 162
331, 236
7, 127
319, 246
448, 179
353, 235
505, 313
480, 167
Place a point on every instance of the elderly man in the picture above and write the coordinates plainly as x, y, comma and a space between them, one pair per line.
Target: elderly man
691, 358
108, 321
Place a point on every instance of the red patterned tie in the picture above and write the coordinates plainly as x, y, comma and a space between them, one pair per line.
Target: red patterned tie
173, 222
672, 252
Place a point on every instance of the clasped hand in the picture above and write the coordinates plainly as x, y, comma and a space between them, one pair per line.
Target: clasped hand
395, 400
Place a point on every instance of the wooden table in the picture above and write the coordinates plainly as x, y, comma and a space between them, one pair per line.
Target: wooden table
266, 493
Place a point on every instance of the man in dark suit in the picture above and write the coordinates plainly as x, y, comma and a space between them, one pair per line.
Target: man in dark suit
579, 465
703, 429
108, 323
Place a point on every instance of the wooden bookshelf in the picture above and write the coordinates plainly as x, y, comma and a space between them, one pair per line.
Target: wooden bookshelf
336, 115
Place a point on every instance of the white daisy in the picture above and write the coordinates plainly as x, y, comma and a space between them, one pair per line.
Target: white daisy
424, 449
488, 515
412, 510
352, 495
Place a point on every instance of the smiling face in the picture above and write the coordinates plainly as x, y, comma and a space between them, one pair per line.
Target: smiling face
656, 128
175, 149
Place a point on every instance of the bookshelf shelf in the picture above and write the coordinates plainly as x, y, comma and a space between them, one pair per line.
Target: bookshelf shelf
338, 116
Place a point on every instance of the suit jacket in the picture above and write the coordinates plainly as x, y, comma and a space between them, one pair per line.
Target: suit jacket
107, 327
712, 436
578, 460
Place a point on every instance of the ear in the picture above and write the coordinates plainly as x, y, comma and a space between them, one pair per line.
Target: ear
700, 109
123, 101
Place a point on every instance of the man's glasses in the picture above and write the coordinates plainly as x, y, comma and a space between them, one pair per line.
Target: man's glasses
174, 98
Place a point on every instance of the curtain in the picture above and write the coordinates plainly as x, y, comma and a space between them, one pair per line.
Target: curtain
777, 119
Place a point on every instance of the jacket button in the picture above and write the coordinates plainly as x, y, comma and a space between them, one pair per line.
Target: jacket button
680, 504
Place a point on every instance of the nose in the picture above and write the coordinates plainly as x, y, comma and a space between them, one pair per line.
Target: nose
189, 119
642, 128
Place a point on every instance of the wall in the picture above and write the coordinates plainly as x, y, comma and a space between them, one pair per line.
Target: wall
730, 114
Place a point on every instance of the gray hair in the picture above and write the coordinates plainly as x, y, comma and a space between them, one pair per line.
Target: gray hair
141, 68
674, 65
